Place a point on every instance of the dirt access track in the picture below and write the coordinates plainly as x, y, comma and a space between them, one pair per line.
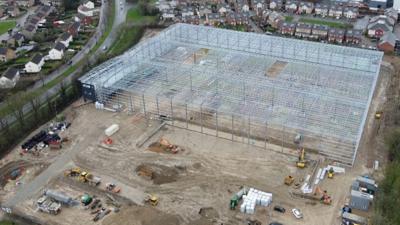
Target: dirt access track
205, 174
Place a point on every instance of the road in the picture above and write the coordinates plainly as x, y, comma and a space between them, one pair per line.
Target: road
254, 26
28, 190
121, 9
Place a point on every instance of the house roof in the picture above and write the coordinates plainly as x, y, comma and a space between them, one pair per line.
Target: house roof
59, 46
3, 51
380, 24
65, 36
389, 37
75, 26
37, 58
10, 73
18, 36
30, 28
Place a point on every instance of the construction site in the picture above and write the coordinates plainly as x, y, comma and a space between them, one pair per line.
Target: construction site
204, 126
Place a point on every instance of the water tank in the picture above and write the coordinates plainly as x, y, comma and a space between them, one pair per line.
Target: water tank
58, 196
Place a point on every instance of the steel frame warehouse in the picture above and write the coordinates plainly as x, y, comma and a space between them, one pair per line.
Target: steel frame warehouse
258, 88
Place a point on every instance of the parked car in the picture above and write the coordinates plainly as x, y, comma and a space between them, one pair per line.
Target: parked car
297, 213
275, 223
279, 209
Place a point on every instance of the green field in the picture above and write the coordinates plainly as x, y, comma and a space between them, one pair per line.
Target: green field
288, 18
134, 16
6, 25
327, 23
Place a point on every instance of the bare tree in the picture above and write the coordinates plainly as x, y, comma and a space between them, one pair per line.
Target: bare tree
16, 105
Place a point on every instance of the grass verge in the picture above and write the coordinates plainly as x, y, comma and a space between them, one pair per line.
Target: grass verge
134, 16
327, 23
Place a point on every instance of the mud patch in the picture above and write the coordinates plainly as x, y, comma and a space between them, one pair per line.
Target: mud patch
159, 174
137, 215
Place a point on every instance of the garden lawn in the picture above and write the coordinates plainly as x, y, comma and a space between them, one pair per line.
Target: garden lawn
327, 23
6, 25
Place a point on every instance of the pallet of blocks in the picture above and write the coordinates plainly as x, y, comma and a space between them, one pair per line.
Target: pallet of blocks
253, 198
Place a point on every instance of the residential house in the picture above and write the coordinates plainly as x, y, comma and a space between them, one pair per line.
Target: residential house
13, 11
74, 29
287, 28
335, 11
168, 14
322, 10
65, 39
242, 6
336, 35
204, 10
35, 65
319, 32
350, 12
275, 19
242, 18
223, 9
387, 42
291, 6
45, 10
88, 4
25, 3
15, 40
83, 10
1, 12
275, 4
57, 53
213, 19
29, 31
353, 36
306, 7
9, 78
187, 11
380, 25
84, 20
7, 54
392, 13
193, 19
259, 6
303, 30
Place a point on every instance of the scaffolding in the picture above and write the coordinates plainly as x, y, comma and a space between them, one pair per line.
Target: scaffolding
246, 87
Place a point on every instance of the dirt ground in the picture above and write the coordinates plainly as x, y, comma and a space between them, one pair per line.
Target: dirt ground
205, 175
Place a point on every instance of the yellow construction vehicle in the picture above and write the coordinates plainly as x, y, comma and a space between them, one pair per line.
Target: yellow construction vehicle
86, 177
378, 115
331, 173
151, 199
74, 172
289, 180
301, 163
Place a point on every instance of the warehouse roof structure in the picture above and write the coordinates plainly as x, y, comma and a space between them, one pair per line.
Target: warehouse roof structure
314, 89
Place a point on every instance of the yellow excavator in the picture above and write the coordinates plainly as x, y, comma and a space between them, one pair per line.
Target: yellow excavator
301, 163
151, 199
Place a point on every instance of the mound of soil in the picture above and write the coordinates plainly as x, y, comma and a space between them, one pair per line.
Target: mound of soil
160, 174
137, 215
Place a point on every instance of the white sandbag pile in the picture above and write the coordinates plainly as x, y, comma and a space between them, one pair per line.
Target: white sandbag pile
253, 198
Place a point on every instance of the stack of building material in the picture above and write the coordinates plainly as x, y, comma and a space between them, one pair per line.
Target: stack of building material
253, 198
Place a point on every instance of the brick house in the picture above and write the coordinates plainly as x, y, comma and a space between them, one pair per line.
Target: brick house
306, 7
319, 32
303, 30
336, 35
379, 25
321, 10
74, 28
291, 6
353, 36
387, 42
287, 28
